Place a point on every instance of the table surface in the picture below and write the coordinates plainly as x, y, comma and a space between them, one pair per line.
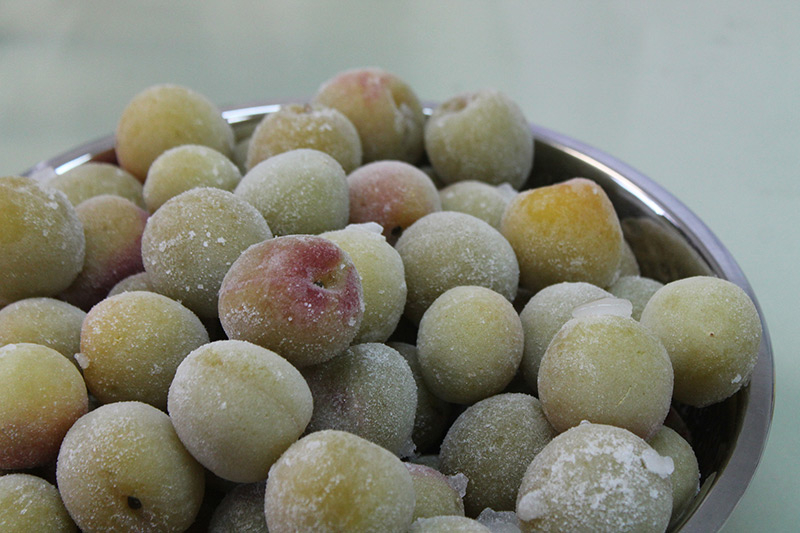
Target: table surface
701, 97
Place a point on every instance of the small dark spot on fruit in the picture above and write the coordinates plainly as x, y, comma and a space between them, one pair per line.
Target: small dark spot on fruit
134, 502
318, 283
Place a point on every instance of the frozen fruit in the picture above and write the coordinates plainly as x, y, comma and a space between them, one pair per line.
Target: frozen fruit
41, 240
332, 481
237, 407
296, 126
298, 295
163, 117
447, 249
122, 468
469, 344
480, 136
384, 109
300, 191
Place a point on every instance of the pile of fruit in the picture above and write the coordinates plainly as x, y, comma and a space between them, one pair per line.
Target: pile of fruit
354, 317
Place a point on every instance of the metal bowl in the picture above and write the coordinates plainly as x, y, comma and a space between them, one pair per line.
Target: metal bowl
669, 242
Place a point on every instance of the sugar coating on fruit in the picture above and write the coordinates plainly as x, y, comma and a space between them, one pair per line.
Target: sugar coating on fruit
113, 229
606, 369
186, 167
41, 395
544, 314
479, 199
685, 477
122, 468
332, 481
311, 126
132, 343
712, 331
41, 240
448, 524
93, 179
134, 282
298, 192
604, 306
237, 406
499, 521
384, 110
492, 443
190, 243
368, 390
383, 281
637, 290
564, 232
469, 344
29, 503
481, 136
595, 477
394, 194
44, 321
163, 117
242, 509
298, 295
435, 494
448, 249
433, 414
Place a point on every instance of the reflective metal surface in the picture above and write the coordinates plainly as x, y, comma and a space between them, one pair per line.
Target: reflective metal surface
670, 242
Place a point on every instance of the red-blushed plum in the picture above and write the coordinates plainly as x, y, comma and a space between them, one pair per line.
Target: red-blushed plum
132, 343
480, 136
165, 116
564, 232
237, 407
469, 344
93, 179
369, 391
296, 126
30, 504
41, 396
607, 369
382, 275
595, 477
122, 468
544, 314
187, 167
384, 109
44, 321
299, 191
435, 492
392, 193
193, 239
42, 244
447, 249
492, 443
712, 332
113, 228
297, 295
331, 481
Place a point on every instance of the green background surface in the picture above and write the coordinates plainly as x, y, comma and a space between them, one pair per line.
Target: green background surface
703, 97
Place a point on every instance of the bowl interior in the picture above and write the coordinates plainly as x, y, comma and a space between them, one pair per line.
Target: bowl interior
669, 242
